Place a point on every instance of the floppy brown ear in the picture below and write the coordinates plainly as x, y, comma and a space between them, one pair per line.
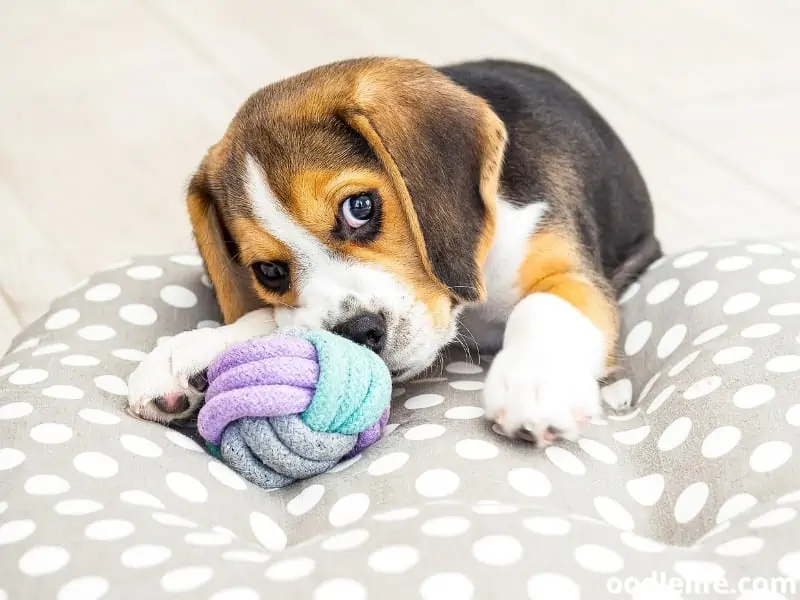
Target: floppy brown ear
219, 250
443, 149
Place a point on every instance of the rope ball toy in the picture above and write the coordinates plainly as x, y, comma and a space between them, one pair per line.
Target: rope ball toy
283, 408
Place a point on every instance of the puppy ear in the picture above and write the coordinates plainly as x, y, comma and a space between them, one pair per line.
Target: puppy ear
443, 149
218, 249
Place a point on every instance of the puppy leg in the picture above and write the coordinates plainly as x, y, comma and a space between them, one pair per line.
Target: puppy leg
558, 342
169, 383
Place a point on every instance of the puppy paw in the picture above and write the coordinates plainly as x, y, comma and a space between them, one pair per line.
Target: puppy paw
168, 385
540, 403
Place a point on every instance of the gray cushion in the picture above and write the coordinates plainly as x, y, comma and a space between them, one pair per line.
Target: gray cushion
699, 483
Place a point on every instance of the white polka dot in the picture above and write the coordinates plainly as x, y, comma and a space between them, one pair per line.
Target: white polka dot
90, 587
618, 394
629, 293
129, 354
12, 532
10, 458
246, 556
689, 259
140, 446
734, 263
565, 460
112, 384
43, 560
675, 434
754, 395
744, 546
497, 550
547, 525
103, 292
393, 559
445, 526
77, 507
96, 464
178, 296
27, 376
98, 417
138, 314
63, 392
145, 556
290, 569
710, 334
206, 281
26, 345
144, 272
660, 399
646, 490
463, 368
15, 410
775, 276
453, 586
186, 579
61, 319
740, 303
761, 330
109, 529
46, 485
732, 355
699, 571
50, 349
793, 415
530, 482
186, 487
141, 498
764, 249
639, 543
79, 360
267, 532
662, 291
226, 476
702, 387
631, 437
208, 324
399, 514
552, 585
305, 500
464, 412
466, 386
7, 369
345, 541
787, 309
238, 593
691, 501
637, 337
97, 333
349, 509
769, 456
340, 589
388, 463
427, 431
51, 433
183, 441
476, 449
773, 518
700, 292
188, 260
789, 565
423, 401
671, 340
346, 464
598, 451
598, 559
172, 520
437, 483
784, 364
613, 513
721, 441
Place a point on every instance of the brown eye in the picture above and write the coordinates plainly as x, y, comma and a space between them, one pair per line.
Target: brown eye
274, 276
358, 210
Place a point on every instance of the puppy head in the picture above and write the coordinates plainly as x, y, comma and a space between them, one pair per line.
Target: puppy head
357, 197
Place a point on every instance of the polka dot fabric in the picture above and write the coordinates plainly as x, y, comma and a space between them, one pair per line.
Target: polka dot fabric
698, 482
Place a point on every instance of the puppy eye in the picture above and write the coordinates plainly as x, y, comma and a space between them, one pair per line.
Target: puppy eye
358, 210
273, 275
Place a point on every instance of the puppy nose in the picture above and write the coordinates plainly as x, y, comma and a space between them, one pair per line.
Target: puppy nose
367, 329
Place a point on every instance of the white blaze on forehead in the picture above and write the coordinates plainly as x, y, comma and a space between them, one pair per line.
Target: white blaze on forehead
309, 253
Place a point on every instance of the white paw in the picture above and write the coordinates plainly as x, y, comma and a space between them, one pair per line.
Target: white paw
539, 401
168, 384
543, 384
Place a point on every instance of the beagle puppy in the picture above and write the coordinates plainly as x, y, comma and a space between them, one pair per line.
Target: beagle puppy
402, 205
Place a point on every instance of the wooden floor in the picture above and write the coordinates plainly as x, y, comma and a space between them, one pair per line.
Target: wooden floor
107, 105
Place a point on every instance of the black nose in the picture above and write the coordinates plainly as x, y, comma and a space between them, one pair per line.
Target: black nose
367, 329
